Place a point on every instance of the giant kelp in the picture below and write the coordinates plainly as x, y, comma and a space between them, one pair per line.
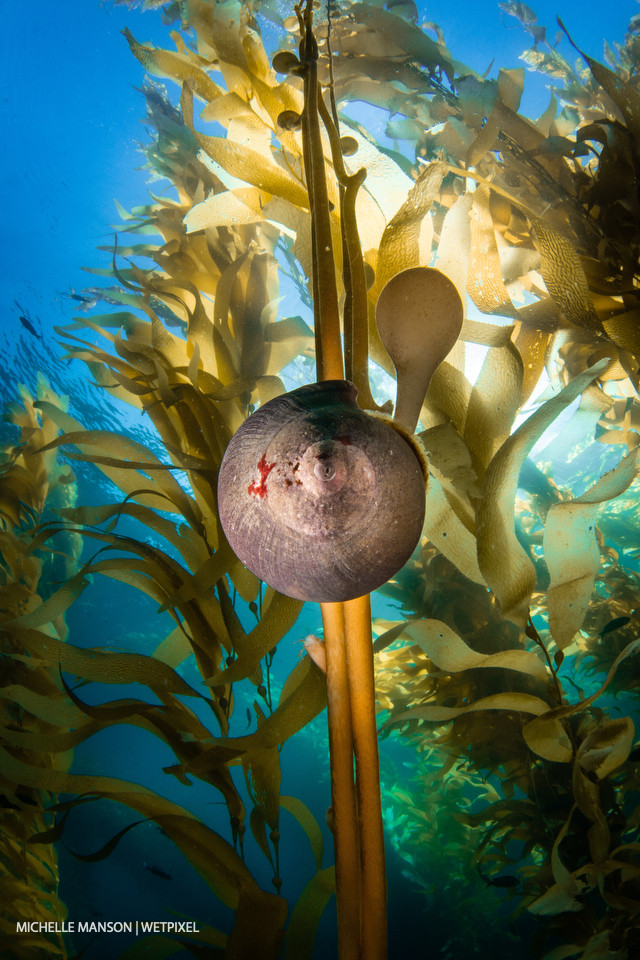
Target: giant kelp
585, 819
517, 214
32, 484
232, 365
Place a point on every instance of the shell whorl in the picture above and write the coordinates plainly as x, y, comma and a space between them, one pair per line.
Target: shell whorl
319, 499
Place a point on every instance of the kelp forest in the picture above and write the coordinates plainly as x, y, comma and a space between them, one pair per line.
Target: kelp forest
473, 272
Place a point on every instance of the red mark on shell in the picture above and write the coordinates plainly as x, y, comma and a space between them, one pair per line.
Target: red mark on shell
258, 488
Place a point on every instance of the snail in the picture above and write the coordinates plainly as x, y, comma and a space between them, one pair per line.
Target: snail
319, 499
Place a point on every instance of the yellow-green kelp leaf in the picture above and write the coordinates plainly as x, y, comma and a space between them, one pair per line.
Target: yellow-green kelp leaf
41, 904
511, 86
607, 747
36, 945
176, 66
174, 649
495, 399
258, 823
561, 897
547, 737
448, 393
285, 340
103, 852
214, 859
383, 192
262, 773
159, 947
532, 344
454, 248
399, 246
192, 548
105, 666
235, 207
279, 613
447, 531
246, 164
449, 459
309, 824
485, 284
10, 886
564, 277
54, 710
624, 330
304, 695
120, 458
53, 607
545, 734
624, 94
514, 702
572, 552
51, 742
207, 576
586, 792
449, 651
258, 927
504, 563
301, 933
408, 36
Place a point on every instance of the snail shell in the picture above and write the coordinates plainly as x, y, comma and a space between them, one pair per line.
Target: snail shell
319, 499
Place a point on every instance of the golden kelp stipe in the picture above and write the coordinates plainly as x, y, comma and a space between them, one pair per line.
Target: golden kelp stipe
548, 239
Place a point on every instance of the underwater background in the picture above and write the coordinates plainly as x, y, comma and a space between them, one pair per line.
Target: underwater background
473, 819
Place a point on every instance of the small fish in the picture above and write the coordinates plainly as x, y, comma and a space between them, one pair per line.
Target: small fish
248, 718
158, 871
505, 881
25, 320
81, 298
614, 625
28, 326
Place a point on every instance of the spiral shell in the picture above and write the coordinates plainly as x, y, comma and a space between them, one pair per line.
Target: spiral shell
319, 499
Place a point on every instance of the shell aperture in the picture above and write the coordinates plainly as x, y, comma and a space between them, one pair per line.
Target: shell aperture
319, 499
